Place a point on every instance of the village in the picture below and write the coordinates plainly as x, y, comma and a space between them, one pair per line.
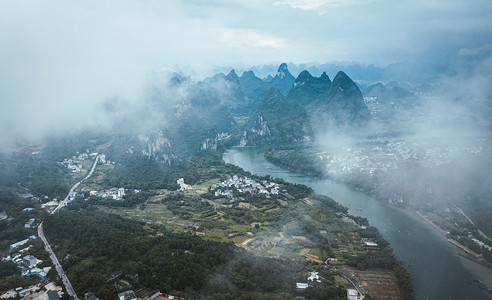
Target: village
112, 193
74, 164
29, 266
384, 155
244, 185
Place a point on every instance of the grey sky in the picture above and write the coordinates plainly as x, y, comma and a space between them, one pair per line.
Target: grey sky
61, 56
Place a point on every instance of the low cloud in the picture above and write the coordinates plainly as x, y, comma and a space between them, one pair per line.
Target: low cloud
313, 4
61, 61
239, 38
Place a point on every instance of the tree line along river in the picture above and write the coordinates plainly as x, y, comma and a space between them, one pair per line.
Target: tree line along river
436, 268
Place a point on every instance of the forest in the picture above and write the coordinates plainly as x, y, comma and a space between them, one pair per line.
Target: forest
94, 246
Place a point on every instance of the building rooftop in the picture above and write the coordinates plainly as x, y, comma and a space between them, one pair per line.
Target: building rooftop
128, 295
53, 295
301, 285
90, 296
352, 292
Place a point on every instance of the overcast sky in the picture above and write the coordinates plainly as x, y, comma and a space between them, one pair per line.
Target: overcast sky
57, 56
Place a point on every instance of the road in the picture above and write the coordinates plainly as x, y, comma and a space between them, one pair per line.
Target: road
65, 201
362, 296
63, 276
56, 262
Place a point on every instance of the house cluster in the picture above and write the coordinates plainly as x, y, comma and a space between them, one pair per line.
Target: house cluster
43, 290
387, 155
481, 244
27, 263
351, 162
29, 266
244, 185
312, 280
155, 294
113, 193
74, 163
48, 206
18, 244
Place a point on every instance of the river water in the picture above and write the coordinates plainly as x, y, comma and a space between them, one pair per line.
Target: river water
436, 270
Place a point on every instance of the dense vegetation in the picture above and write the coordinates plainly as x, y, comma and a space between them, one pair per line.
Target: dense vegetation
37, 174
294, 160
12, 229
95, 246
145, 173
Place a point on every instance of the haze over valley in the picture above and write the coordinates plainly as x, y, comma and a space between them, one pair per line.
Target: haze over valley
260, 150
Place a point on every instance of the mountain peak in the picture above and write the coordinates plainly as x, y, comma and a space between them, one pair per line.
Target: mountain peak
346, 88
325, 78
344, 82
232, 77
283, 68
306, 88
283, 72
248, 74
303, 77
283, 80
341, 77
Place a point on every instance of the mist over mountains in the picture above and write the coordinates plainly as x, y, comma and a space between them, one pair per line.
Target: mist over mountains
400, 129
245, 110
133, 131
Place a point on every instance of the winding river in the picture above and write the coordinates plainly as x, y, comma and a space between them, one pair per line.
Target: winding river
437, 271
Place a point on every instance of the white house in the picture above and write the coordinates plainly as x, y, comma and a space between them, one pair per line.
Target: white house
352, 294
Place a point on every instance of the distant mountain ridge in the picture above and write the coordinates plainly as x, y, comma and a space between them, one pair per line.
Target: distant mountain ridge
312, 104
386, 93
307, 88
402, 71
342, 104
231, 110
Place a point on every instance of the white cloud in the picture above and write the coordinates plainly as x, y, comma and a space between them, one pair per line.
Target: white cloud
310, 4
60, 57
240, 38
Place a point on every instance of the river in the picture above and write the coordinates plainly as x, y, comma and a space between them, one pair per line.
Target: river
436, 269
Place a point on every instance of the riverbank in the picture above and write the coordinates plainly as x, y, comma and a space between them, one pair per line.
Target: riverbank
436, 269
472, 261
311, 170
